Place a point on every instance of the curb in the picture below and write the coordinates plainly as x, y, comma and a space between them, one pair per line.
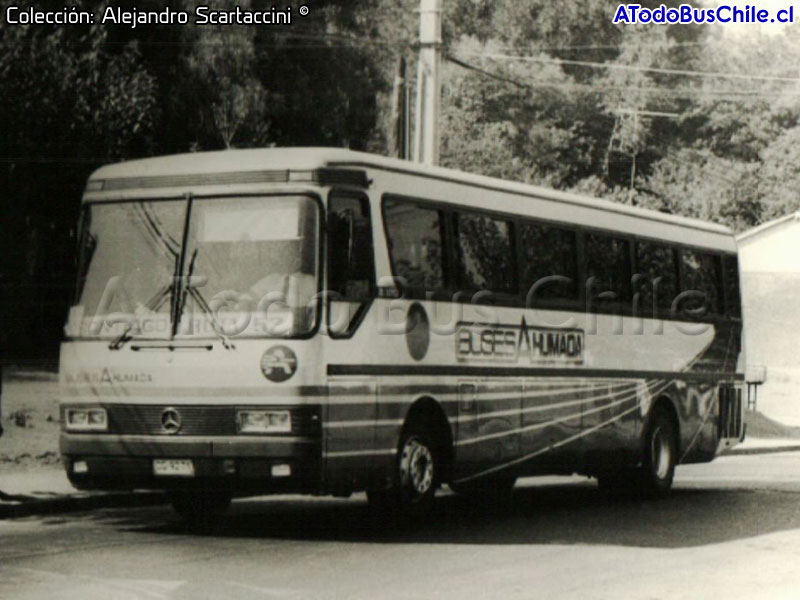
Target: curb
63, 504
763, 450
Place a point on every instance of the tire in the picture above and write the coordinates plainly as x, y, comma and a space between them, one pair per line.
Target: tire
200, 508
653, 478
417, 474
418, 470
660, 456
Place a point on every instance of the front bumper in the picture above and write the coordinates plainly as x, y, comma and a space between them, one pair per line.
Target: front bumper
239, 465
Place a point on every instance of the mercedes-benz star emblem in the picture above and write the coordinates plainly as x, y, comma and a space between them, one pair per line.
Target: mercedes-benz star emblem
171, 421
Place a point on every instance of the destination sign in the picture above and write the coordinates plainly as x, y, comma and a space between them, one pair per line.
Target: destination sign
518, 343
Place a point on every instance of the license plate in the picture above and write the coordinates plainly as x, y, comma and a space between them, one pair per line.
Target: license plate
173, 467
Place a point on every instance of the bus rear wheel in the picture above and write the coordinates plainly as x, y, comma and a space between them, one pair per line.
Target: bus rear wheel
660, 456
653, 478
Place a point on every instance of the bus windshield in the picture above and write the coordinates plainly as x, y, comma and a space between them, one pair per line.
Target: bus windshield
219, 266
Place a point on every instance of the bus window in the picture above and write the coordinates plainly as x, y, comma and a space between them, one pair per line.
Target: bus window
733, 300
608, 269
551, 262
127, 264
701, 276
486, 254
656, 278
259, 255
415, 244
249, 268
351, 271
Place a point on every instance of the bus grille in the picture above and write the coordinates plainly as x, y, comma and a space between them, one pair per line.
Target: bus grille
138, 419
730, 411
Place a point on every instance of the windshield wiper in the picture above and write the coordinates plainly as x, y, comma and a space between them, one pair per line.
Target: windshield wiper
216, 326
185, 289
189, 289
156, 229
152, 305
177, 289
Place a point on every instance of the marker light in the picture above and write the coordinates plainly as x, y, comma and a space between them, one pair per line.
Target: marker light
86, 419
264, 421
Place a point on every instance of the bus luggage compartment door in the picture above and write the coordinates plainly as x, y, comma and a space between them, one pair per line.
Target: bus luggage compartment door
488, 425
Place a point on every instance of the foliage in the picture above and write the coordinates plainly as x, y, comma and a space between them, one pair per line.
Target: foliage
575, 110
534, 131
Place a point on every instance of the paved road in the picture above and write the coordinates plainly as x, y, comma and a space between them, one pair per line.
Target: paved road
731, 530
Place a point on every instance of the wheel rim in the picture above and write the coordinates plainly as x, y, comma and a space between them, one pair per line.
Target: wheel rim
416, 467
661, 453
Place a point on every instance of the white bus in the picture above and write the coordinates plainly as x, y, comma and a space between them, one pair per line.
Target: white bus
324, 321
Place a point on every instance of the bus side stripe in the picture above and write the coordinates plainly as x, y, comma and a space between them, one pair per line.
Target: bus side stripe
351, 453
536, 426
563, 442
483, 371
487, 415
364, 423
452, 395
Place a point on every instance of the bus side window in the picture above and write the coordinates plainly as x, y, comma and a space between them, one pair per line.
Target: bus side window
608, 270
484, 246
656, 278
701, 283
733, 301
351, 271
416, 245
550, 267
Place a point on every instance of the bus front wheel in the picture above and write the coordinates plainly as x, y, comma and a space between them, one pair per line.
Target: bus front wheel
418, 470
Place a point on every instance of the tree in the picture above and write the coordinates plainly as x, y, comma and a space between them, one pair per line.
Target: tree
233, 99
70, 106
776, 184
527, 122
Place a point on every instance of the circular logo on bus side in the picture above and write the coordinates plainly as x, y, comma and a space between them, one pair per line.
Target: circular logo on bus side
278, 363
418, 331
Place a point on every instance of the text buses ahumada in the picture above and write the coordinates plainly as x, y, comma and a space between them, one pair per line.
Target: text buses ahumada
325, 321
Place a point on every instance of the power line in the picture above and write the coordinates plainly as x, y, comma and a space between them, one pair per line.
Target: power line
485, 73
686, 93
616, 46
600, 65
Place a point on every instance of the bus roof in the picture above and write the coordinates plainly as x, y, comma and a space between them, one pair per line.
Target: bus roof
311, 158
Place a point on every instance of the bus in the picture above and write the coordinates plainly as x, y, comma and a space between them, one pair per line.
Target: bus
325, 321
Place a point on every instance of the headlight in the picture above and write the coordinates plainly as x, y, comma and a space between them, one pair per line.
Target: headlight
264, 421
86, 419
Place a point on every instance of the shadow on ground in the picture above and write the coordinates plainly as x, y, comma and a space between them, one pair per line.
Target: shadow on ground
551, 514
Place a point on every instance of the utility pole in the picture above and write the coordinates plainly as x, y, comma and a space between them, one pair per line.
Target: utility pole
429, 91
634, 113
399, 133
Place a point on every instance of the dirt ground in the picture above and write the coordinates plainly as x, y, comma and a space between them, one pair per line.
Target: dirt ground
30, 420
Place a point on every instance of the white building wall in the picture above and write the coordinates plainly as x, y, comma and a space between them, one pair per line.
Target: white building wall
770, 266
